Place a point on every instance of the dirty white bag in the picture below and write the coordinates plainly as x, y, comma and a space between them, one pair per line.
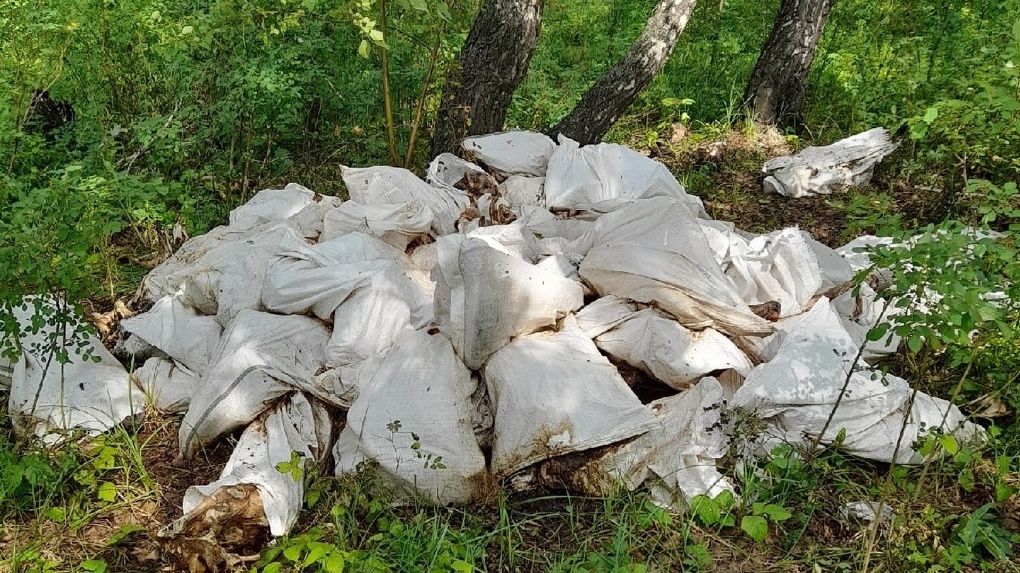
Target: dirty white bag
310, 221
512, 152
319, 278
413, 418
397, 224
513, 239
91, 391
367, 323
545, 225
653, 251
261, 358
519, 191
168, 277
583, 176
554, 394
272, 204
6, 372
228, 277
485, 297
822, 170
295, 426
786, 266
447, 169
659, 346
797, 389
178, 331
166, 385
676, 459
389, 185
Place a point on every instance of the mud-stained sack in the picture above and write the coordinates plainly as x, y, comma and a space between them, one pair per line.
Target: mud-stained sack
554, 394
675, 460
798, 388
398, 224
413, 420
512, 152
273, 454
389, 185
262, 357
579, 177
654, 251
485, 297
178, 331
91, 391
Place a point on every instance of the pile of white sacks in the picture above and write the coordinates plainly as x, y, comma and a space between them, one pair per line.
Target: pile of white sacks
443, 334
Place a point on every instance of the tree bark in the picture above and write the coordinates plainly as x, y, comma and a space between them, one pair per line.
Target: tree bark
775, 92
613, 93
492, 63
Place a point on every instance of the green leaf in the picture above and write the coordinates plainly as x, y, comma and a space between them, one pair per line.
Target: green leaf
777, 513
57, 514
272, 568
755, 526
124, 531
293, 553
461, 566
949, 443
94, 565
930, 114
876, 334
363, 49
914, 343
334, 563
107, 491
376, 36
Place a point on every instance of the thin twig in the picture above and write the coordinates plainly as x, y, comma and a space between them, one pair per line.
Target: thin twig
420, 112
873, 530
846, 383
391, 134
130, 160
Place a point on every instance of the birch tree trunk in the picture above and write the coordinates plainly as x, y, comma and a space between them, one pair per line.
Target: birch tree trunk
492, 63
775, 92
613, 93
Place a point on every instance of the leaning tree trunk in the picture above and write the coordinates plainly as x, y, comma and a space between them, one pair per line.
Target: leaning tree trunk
613, 93
492, 63
775, 92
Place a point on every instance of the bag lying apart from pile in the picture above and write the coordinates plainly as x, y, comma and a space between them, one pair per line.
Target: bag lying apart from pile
410, 325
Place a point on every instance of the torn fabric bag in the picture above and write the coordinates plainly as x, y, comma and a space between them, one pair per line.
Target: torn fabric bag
273, 454
675, 460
